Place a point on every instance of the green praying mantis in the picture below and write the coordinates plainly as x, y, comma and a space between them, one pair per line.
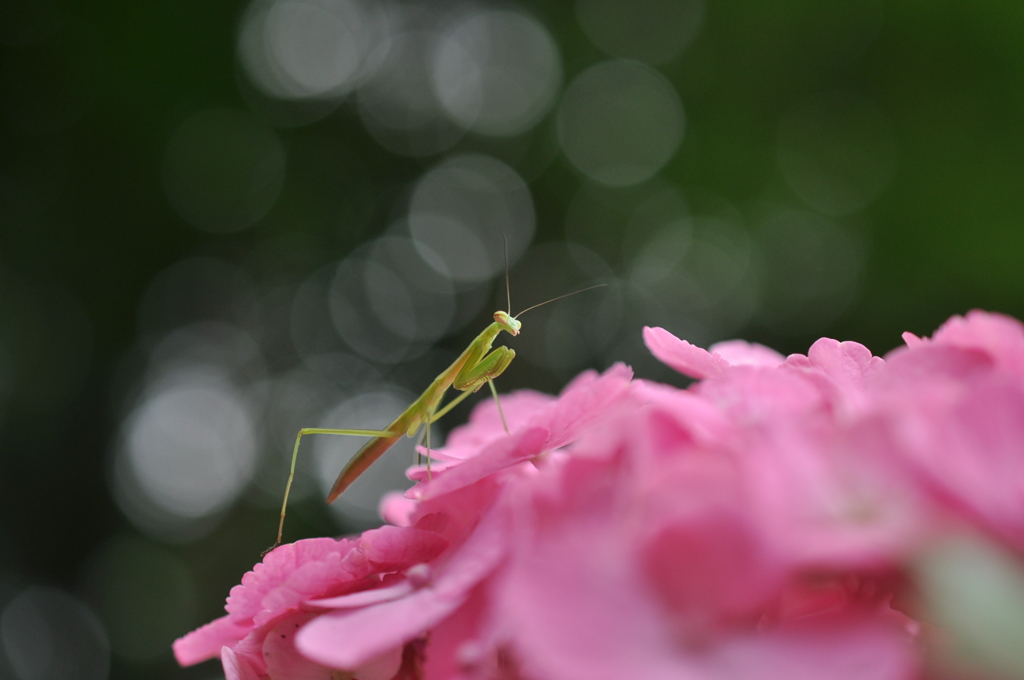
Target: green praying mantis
478, 364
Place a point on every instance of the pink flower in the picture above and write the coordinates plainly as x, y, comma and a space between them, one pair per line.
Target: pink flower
770, 521
271, 600
653, 553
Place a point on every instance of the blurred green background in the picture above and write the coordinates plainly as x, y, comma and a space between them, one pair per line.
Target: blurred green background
222, 221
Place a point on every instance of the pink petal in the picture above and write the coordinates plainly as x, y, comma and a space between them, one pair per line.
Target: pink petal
455, 647
396, 509
907, 367
845, 649
503, 453
838, 370
681, 418
206, 642
384, 667
364, 598
576, 611
846, 362
762, 396
236, 668
1002, 337
912, 340
397, 548
583, 401
485, 425
283, 660
682, 356
250, 648
287, 577
455, 515
349, 639
709, 561
743, 353
438, 463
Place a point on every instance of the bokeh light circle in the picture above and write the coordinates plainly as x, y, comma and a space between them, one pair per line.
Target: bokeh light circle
48, 634
298, 398
191, 445
387, 303
460, 210
398, 106
431, 292
617, 222
497, 72
299, 49
371, 409
654, 31
700, 273
837, 152
223, 170
620, 122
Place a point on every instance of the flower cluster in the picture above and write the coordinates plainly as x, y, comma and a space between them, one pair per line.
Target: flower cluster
833, 515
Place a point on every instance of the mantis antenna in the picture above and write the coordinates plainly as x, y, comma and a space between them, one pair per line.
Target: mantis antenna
508, 288
541, 304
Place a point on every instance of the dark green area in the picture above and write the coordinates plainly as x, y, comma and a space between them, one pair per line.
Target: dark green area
86, 113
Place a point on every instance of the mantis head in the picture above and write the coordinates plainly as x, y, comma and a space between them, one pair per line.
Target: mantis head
508, 323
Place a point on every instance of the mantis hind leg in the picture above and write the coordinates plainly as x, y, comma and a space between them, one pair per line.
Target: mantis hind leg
295, 456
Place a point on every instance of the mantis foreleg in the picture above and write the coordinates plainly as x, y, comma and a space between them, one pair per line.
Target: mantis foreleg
473, 375
494, 391
449, 406
428, 448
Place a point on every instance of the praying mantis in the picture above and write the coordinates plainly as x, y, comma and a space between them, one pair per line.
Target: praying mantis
478, 364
